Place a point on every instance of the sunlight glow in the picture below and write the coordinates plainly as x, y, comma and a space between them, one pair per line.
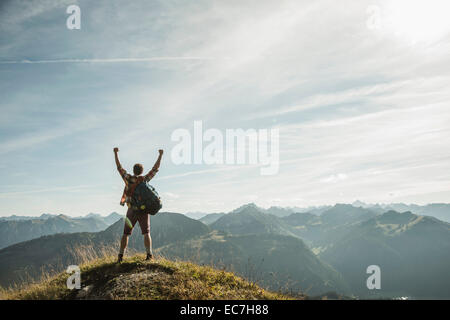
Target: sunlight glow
417, 20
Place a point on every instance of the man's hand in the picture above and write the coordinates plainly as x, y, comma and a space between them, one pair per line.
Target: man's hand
161, 151
116, 150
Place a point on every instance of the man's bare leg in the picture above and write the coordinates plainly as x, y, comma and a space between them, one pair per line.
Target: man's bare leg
124, 243
148, 245
123, 246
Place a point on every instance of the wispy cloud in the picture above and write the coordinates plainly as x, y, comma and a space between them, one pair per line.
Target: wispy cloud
115, 60
335, 178
47, 190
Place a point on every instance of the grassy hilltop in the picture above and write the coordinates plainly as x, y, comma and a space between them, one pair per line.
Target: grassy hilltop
160, 279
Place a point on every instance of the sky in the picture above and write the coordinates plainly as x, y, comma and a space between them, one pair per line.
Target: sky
359, 91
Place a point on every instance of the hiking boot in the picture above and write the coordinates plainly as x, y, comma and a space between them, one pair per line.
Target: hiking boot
119, 258
149, 256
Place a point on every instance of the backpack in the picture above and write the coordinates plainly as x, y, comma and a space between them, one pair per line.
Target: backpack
145, 199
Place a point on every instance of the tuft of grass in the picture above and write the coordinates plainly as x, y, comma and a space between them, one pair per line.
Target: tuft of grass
137, 279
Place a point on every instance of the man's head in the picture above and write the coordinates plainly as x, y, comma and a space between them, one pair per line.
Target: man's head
138, 169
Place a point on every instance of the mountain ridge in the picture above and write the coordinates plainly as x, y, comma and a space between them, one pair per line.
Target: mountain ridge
412, 251
15, 231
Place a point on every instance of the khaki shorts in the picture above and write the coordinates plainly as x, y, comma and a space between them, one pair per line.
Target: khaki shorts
144, 222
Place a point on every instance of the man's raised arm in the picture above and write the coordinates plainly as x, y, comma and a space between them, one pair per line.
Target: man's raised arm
116, 157
155, 168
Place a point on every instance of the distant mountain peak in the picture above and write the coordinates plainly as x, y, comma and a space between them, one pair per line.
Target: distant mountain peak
279, 211
251, 205
397, 213
93, 215
46, 215
278, 207
358, 203
342, 205
395, 217
114, 214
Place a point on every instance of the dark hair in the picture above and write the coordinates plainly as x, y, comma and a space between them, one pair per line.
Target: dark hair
138, 169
